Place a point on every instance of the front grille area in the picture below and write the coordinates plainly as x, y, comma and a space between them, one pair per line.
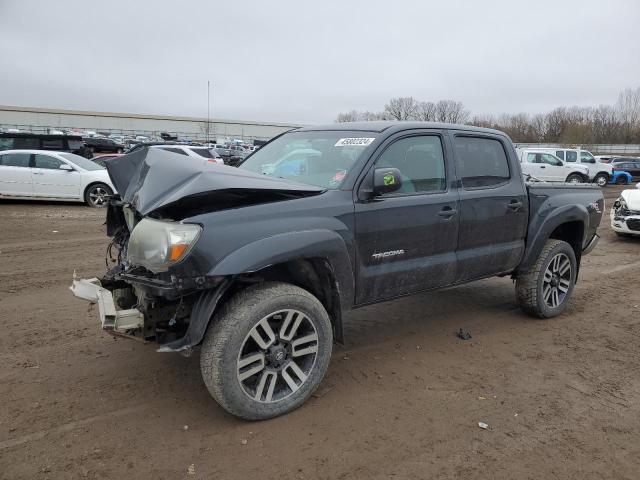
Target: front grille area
634, 224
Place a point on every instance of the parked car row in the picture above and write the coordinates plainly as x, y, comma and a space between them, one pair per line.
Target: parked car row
564, 165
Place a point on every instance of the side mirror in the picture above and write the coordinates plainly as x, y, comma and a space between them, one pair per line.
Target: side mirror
386, 180
66, 167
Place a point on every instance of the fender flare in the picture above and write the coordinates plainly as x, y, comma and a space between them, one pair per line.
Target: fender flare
544, 227
281, 248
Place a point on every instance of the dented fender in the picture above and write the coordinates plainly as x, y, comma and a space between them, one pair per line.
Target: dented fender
281, 248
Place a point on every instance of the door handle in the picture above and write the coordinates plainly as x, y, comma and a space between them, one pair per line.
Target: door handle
542, 166
514, 205
38, 173
447, 212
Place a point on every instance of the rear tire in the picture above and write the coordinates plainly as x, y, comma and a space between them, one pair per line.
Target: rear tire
545, 289
266, 351
601, 179
97, 195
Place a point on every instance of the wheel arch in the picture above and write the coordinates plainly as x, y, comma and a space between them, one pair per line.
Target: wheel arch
315, 260
567, 224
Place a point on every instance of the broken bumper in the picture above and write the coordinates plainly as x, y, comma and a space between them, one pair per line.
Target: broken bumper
111, 318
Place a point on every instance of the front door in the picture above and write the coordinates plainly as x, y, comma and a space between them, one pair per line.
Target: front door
15, 174
50, 181
493, 207
406, 240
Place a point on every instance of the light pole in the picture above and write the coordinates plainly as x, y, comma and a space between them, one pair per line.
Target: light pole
208, 110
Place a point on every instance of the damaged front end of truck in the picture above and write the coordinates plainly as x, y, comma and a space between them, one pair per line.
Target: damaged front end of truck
159, 284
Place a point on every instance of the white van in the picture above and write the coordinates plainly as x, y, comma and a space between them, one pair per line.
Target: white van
598, 172
546, 166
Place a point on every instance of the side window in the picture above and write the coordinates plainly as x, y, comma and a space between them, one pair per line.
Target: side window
26, 143
420, 160
6, 143
551, 160
15, 160
52, 144
481, 162
531, 158
572, 156
586, 157
50, 163
560, 154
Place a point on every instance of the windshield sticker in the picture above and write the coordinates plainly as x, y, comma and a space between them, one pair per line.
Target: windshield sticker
354, 142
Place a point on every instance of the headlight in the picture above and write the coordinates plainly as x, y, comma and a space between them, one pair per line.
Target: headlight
157, 245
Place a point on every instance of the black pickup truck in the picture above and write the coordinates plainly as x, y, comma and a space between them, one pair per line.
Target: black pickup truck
257, 264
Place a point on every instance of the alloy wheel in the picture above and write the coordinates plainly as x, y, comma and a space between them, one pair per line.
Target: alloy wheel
98, 196
277, 356
557, 280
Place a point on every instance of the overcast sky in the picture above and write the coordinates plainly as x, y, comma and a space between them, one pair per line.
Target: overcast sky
307, 60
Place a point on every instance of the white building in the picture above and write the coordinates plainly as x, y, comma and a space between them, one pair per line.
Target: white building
40, 120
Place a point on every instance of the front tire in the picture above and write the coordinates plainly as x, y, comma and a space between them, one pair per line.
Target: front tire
601, 179
97, 195
574, 178
266, 351
622, 180
545, 289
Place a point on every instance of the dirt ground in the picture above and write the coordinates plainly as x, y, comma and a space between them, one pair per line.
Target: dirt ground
402, 398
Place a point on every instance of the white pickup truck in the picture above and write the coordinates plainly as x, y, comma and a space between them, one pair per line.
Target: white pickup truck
599, 173
546, 166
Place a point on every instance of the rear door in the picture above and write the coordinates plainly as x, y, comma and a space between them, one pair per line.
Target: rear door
406, 240
493, 206
634, 170
15, 174
50, 181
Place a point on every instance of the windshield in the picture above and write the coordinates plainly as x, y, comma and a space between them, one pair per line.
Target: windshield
318, 158
81, 162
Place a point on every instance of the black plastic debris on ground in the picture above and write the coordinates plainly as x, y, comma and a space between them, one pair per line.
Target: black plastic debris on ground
463, 335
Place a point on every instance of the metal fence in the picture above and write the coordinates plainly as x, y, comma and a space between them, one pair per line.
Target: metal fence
597, 149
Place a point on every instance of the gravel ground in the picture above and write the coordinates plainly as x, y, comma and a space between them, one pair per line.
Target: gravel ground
402, 398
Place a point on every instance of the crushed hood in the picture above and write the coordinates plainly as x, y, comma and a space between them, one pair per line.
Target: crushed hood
632, 198
155, 180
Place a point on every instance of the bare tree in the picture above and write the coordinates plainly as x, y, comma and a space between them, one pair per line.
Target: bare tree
351, 116
402, 108
426, 111
450, 111
628, 110
619, 123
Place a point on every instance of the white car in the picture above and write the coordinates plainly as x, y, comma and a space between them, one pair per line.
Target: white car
547, 167
47, 175
625, 212
192, 151
599, 172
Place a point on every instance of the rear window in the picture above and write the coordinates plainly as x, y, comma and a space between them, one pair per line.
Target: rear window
560, 154
572, 156
203, 152
481, 162
174, 150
